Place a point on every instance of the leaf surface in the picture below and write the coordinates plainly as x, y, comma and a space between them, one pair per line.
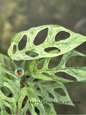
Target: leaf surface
39, 97
79, 73
38, 51
8, 81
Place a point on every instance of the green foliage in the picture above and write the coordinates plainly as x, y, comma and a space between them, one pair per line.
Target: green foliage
40, 94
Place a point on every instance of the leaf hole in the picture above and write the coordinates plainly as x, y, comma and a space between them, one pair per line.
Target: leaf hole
60, 91
14, 49
54, 62
37, 111
50, 95
18, 63
52, 50
7, 92
35, 80
25, 79
22, 43
13, 68
8, 109
46, 74
81, 48
76, 61
6, 63
37, 87
28, 112
31, 54
41, 36
10, 95
40, 97
65, 76
40, 65
47, 106
24, 101
47, 82
62, 35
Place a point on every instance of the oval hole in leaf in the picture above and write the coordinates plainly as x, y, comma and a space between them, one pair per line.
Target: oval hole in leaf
81, 48
25, 79
10, 95
22, 43
35, 80
50, 94
24, 101
37, 87
18, 63
65, 76
54, 62
47, 105
53, 49
31, 54
8, 110
6, 91
40, 97
46, 74
14, 49
13, 68
60, 91
76, 61
28, 112
40, 65
37, 111
47, 82
41, 36
62, 35
6, 63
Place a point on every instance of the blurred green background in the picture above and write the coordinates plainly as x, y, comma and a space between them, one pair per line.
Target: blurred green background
20, 15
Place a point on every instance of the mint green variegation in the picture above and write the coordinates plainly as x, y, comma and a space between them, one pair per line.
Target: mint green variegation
63, 45
35, 88
14, 86
78, 72
34, 100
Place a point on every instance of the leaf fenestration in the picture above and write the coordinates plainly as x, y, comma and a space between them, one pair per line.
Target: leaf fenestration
64, 46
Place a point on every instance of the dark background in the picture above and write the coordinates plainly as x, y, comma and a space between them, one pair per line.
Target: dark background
20, 15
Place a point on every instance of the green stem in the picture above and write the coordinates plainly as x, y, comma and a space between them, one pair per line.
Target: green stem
10, 68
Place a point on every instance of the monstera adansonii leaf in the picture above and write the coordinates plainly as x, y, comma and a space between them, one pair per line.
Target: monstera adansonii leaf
9, 90
61, 46
40, 95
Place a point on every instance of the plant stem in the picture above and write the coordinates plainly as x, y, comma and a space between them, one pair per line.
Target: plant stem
10, 65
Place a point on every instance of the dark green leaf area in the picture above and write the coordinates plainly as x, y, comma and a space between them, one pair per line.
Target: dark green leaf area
62, 35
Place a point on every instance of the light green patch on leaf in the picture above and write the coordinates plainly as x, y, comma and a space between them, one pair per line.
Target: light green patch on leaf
40, 96
10, 81
79, 73
63, 46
